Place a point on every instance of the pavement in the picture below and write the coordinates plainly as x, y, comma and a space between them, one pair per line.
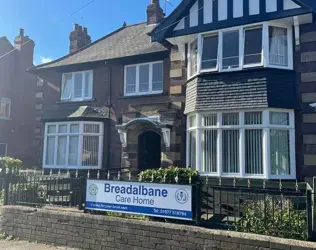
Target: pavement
23, 245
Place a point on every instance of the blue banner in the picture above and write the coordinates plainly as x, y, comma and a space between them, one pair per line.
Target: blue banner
150, 199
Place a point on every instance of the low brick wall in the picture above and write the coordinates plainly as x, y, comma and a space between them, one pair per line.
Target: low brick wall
100, 232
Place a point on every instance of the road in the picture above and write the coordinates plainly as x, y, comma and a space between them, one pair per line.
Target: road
23, 245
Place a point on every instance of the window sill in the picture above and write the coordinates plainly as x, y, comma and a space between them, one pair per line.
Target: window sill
76, 101
238, 175
5, 118
143, 95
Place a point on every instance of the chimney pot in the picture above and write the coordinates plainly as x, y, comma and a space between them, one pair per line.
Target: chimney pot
78, 38
21, 32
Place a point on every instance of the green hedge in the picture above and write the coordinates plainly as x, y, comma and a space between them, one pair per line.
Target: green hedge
170, 175
10, 165
274, 217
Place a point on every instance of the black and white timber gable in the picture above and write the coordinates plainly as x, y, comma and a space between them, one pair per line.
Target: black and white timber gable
194, 16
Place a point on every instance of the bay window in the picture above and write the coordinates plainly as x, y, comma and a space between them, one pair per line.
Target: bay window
77, 86
74, 145
266, 44
142, 79
250, 144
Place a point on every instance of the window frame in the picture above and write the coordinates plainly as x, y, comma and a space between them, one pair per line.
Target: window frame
80, 135
265, 48
73, 98
150, 91
264, 126
6, 101
6, 149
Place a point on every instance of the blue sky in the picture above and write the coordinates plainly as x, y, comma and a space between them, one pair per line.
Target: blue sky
41, 20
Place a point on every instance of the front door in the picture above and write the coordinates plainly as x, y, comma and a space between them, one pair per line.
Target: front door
149, 150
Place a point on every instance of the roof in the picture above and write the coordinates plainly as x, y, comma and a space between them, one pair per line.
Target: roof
255, 88
124, 42
75, 112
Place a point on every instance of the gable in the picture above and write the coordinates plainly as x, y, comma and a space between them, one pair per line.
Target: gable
204, 15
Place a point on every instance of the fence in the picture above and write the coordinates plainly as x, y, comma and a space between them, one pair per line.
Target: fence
264, 207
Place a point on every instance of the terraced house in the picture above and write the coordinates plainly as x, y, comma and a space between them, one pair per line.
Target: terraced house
223, 86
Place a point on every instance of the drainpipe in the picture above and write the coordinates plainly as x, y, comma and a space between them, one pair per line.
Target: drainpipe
109, 118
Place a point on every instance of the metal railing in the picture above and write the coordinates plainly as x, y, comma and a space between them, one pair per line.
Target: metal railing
276, 208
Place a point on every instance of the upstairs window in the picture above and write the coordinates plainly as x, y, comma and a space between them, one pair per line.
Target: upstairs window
210, 52
193, 57
77, 86
144, 79
230, 55
264, 45
253, 46
278, 44
5, 108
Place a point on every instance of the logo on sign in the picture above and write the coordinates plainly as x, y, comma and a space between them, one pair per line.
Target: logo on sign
93, 189
182, 196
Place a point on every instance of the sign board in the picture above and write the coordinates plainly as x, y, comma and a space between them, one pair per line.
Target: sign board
151, 199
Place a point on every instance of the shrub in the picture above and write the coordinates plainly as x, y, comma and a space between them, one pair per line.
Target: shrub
273, 217
171, 175
8, 164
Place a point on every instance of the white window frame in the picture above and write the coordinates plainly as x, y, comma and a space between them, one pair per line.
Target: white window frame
6, 149
81, 134
6, 101
137, 92
82, 98
265, 126
265, 48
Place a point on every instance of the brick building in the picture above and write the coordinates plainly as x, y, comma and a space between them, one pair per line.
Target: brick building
224, 86
17, 99
107, 101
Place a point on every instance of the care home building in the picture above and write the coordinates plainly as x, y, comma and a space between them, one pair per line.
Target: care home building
223, 86
17, 98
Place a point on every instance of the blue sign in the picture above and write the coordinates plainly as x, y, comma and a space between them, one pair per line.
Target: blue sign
151, 199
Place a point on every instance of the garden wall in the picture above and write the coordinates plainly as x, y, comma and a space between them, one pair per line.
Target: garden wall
97, 232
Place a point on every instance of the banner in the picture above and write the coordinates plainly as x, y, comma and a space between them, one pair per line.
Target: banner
157, 200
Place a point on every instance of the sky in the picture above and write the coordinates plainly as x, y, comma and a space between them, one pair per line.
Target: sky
48, 22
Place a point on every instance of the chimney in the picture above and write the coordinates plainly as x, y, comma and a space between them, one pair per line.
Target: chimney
26, 47
154, 12
78, 38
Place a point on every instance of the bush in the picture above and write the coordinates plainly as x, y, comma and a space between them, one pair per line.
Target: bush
10, 165
171, 175
273, 217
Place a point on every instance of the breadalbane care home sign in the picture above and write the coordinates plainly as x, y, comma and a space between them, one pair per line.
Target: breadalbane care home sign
157, 200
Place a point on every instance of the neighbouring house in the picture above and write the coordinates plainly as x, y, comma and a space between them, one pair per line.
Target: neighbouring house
17, 99
223, 86
114, 103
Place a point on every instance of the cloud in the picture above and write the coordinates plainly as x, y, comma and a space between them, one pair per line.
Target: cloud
44, 59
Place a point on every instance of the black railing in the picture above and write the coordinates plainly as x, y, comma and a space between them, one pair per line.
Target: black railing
282, 209
275, 209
